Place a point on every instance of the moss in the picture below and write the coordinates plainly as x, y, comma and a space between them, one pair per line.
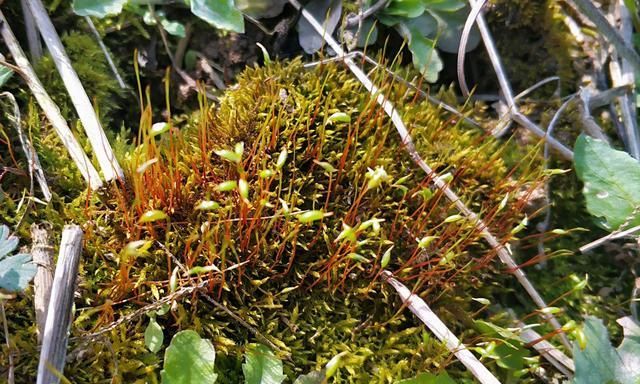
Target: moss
301, 285
90, 64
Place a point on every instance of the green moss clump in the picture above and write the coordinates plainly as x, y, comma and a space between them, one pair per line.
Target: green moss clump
90, 64
311, 287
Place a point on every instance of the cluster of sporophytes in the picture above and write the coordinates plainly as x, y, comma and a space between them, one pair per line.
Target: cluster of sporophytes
285, 202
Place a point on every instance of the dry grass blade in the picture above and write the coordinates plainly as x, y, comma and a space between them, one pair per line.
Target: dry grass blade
99, 143
462, 48
56, 329
433, 322
437, 182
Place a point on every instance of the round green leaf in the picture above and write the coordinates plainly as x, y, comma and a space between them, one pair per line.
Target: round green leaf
611, 179
189, 359
219, 13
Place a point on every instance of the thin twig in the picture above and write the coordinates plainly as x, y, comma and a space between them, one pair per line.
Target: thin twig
544, 225
106, 53
50, 109
241, 321
612, 236
437, 182
462, 47
11, 374
99, 143
33, 161
442, 332
613, 37
362, 15
505, 86
42, 253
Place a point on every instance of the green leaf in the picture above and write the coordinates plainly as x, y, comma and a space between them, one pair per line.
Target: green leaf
97, 8
405, 8
425, 57
5, 74
261, 366
16, 272
153, 336
450, 26
219, 13
599, 362
426, 24
189, 360
327, 13
444, 5
7, 244
315, 377
611, 179
428, 378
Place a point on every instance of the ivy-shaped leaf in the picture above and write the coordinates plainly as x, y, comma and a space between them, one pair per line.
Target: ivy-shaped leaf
15, 271
262, 366
189, 360
97, 8
219, 13
611, 179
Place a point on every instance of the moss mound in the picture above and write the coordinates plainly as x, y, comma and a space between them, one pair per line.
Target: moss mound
279, 203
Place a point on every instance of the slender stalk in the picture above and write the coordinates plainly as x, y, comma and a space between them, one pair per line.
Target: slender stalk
105, 51
505, 86
503, 253
442, 332
106, 158
10, 375
50, 109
